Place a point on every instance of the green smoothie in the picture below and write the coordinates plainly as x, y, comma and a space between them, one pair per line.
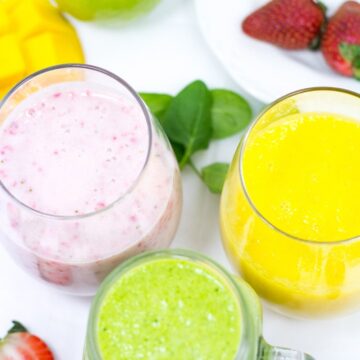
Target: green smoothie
169, 309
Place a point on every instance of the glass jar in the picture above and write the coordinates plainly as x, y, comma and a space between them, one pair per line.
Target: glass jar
252, 346
75, 251
296, 275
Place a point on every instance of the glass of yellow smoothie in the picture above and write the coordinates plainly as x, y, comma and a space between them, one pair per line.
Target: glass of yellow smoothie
290, 207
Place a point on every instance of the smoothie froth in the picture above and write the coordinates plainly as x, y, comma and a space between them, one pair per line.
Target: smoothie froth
73, 150
190, 313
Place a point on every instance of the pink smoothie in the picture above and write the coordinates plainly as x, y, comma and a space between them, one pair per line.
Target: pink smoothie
102, 180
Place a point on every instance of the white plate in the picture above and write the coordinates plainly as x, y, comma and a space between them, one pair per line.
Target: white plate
265, 71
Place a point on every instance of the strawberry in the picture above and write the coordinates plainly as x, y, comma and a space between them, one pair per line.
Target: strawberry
289, 24
19, 344
341, 40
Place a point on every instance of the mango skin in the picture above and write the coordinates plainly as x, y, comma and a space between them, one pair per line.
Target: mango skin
106, 9
34, 35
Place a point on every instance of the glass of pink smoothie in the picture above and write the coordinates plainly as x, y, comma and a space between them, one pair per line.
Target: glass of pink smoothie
87, 176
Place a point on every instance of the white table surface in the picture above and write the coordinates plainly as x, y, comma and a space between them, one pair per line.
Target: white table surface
162, 52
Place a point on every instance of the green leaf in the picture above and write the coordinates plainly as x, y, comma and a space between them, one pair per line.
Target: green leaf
157, 103
187, 120
349, 51
179, 150
214, 176
356, 68
315, 43
322, 6
17, 327
230, 113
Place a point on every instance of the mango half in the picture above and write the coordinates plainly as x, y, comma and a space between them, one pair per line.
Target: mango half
33, 35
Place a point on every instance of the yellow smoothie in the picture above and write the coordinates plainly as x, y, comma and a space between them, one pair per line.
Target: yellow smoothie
301, 172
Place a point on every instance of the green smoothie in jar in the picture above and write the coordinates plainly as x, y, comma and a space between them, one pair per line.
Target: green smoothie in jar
169, 309
176, 305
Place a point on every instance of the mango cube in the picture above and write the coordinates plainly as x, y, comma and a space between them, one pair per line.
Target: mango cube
33, 35
49, 49
31, 17
12, 64
4, 22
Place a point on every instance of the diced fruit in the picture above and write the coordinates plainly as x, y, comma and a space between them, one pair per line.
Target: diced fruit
19, 344
31, 17
35, 35
12, 62
59, 49
4, 22
290, 24
341, 41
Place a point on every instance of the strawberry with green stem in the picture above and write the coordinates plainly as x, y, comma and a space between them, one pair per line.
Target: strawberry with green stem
19, 344
289, 24
341, 40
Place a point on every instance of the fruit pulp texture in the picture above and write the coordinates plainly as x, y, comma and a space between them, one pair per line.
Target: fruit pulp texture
35, 35
301, 172
169, 309
75, 149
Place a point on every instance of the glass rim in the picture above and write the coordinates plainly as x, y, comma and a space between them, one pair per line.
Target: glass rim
138, 101
91, 343
243, 144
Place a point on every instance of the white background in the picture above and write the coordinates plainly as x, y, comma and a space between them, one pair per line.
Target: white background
162, 52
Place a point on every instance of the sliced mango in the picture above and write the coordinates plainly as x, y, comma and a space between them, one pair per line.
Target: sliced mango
33, 35
58, 50
8, 5
4, 22
12, 64
32, 17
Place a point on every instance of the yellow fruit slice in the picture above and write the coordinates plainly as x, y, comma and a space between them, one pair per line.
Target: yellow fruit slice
4, 22
58, 50
12, 64
33, 35
32, 17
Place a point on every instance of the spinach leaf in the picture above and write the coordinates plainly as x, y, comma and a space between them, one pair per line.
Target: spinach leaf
187, 120
179, 150
214, 176
157, 103
230, 113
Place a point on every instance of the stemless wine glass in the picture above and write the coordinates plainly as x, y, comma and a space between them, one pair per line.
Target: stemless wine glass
74, 252
251, 346
300, 277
